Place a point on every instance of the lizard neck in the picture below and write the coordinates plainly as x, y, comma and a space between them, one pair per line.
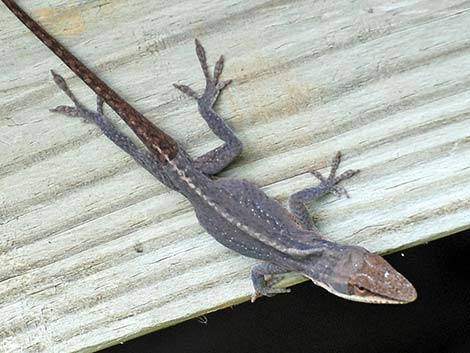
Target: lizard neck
158, 142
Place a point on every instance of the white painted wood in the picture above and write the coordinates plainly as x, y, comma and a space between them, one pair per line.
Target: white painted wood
93, 251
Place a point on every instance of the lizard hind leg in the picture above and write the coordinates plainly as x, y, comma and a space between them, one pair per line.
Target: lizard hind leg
213, 161
329, 184
141, 156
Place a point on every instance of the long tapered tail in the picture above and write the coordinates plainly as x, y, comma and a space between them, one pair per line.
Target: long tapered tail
158, 142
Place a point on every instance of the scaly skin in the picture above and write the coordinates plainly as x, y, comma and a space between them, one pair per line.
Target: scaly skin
236, 212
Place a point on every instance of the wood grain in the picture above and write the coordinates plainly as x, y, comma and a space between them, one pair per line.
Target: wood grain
93, 251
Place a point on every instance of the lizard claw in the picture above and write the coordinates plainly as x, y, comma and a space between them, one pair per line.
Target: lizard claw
78, 110
331, 182
268, 292
219, 66
66, 110
186, 90
213, 83
222, 84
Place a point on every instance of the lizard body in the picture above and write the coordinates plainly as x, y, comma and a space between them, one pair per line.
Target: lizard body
236, 212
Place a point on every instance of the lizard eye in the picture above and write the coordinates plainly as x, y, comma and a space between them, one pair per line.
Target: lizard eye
360, 290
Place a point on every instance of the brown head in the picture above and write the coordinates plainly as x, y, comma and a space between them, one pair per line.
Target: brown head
355, 274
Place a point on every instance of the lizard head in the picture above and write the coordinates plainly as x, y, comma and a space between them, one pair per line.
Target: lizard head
359, 275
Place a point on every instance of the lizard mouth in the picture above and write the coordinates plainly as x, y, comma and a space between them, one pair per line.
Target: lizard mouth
367, 296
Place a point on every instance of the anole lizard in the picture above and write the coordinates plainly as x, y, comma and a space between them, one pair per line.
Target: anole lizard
236, 212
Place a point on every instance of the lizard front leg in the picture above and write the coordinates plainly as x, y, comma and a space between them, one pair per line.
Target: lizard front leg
330, 184
262, 286
213, 161
143, 157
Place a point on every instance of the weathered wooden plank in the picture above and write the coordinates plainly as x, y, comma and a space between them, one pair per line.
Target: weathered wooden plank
94, 251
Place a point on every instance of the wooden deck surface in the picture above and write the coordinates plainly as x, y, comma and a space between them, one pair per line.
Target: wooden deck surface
94, 251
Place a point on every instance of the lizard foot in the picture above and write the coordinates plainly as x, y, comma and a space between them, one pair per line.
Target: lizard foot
78, 110
330, 183
263, 280
268, 292
213, 84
